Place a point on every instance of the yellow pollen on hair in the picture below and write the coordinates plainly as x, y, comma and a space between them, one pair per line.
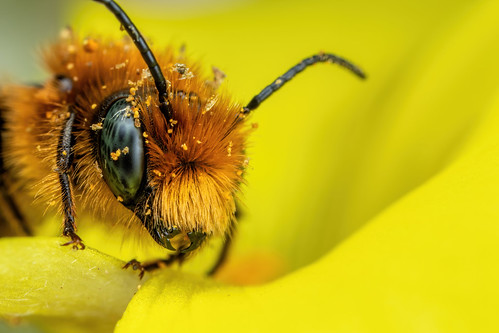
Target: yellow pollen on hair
90, 45
96, 127
115, 155
72, 49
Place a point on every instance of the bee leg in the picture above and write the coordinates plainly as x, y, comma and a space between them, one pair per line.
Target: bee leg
222, 257
136, 265
75, 240
64, 161
154, 265
9, 209
224, 253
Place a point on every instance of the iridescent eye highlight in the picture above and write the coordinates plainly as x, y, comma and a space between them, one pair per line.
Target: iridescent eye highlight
121, 148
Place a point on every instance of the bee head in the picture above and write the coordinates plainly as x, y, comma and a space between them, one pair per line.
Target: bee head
179, 176
181, 158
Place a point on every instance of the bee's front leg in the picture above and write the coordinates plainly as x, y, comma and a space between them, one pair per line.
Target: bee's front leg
64, 160
156, 264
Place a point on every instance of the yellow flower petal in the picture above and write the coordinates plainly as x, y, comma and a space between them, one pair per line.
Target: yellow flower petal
427, 264
41, 278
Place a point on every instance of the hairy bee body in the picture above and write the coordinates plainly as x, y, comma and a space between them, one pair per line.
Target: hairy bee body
130, 135
193, 166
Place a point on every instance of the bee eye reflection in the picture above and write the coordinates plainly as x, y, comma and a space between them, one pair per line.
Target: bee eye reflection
121, 152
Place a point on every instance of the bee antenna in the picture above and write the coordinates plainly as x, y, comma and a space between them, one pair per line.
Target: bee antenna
291, 73
146, 53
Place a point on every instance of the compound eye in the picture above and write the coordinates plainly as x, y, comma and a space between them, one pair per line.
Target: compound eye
121, 151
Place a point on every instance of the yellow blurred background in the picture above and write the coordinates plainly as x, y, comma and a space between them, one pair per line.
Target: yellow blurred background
331, 152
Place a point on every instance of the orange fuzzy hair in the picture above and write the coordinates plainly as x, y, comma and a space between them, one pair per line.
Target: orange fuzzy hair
196, 170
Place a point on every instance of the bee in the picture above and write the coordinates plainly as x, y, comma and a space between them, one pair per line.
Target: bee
121, 130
